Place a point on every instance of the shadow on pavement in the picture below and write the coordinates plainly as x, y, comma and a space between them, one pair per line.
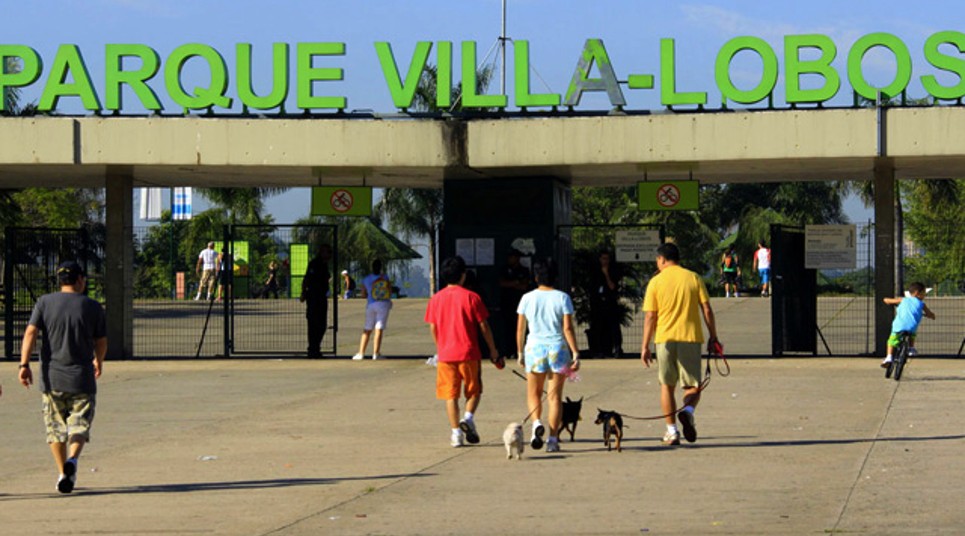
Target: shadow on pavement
211, 486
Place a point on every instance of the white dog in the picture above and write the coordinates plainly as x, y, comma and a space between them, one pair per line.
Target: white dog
513, 439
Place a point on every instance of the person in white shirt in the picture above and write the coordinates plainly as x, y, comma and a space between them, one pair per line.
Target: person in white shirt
207, 269
762, 263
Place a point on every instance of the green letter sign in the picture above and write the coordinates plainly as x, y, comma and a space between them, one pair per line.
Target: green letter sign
214, 94
795, 67
69, 61
668, 79
279, 86
954, 65
308, 74
403, 91
594, 52
29, 71
116, 76
768, 76
902, 71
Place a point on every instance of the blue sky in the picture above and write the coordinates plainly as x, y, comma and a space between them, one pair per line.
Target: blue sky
556, 29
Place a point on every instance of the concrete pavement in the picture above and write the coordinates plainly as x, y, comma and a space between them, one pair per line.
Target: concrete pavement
297, 447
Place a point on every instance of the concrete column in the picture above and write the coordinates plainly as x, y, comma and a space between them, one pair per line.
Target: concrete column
884, 251
119, 265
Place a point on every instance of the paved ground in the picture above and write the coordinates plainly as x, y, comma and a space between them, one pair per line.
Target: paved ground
296, 447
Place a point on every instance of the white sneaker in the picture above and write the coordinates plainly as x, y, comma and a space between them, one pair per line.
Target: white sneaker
378, 356
457, 439
912, 352
197, 298
552, 445
536, 442
358, 357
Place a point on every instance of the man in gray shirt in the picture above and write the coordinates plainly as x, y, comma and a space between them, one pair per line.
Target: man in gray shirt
73, 344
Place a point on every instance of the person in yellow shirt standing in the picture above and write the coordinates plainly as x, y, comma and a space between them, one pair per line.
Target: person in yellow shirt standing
675, 300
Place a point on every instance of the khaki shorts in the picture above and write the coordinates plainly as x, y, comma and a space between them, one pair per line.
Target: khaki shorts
679, 363
68, 415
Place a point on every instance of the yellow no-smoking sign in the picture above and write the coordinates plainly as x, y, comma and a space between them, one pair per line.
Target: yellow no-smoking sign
342, 201
668, 195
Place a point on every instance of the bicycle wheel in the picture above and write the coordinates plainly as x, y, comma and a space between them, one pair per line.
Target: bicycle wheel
901, 357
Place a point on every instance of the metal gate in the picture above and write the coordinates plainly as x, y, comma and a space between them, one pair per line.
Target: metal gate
794, 298
579, 248
31, 256
265, 319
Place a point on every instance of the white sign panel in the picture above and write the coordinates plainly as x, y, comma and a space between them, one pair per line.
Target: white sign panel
485, 251
466, 248
830, 246
637, 245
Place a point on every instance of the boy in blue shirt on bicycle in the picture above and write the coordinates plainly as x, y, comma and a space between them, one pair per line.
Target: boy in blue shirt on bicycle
907, 316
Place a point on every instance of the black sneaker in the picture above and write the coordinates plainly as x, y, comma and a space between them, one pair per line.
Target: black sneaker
686, 419
469, 428
537, 441
67, 481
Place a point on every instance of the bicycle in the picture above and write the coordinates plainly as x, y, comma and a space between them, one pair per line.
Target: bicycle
899, 357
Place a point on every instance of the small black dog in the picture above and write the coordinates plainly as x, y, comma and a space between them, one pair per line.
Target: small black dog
612, 425
571, 415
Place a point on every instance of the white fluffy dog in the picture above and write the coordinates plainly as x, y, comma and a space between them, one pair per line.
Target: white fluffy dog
513, 439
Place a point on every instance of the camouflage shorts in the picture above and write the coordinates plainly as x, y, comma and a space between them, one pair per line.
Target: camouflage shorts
67, 415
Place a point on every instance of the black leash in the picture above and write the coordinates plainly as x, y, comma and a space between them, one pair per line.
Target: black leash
715, 353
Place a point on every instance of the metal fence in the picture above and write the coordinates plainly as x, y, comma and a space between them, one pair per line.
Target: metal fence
30, 260
846, 305
173, 319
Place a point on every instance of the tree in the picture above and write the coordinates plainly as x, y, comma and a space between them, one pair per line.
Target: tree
242, 205
415, 212
58, 207
935, 218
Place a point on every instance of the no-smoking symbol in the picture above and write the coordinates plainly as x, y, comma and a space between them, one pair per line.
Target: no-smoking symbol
342, 200
668, 195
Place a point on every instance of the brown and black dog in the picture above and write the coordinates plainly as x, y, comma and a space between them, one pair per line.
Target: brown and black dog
612, 426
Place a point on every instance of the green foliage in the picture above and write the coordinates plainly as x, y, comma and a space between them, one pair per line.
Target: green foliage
58, 207
934, 220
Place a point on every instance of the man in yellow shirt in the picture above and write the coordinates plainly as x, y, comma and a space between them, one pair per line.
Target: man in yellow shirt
675, 300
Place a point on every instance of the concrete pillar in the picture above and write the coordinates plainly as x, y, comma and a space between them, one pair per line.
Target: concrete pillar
119, 264
884, 250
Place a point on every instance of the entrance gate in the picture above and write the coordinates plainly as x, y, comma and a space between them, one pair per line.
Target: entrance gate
794, 298
579, 248
265, 319
30, 260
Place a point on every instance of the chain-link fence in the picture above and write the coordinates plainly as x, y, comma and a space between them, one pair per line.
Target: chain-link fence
254, 305
846, 304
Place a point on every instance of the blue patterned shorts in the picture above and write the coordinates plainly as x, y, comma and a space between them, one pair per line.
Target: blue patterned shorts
542, 358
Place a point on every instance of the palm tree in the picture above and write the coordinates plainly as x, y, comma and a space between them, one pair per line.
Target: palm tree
415, 212
11, 95
241, 205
